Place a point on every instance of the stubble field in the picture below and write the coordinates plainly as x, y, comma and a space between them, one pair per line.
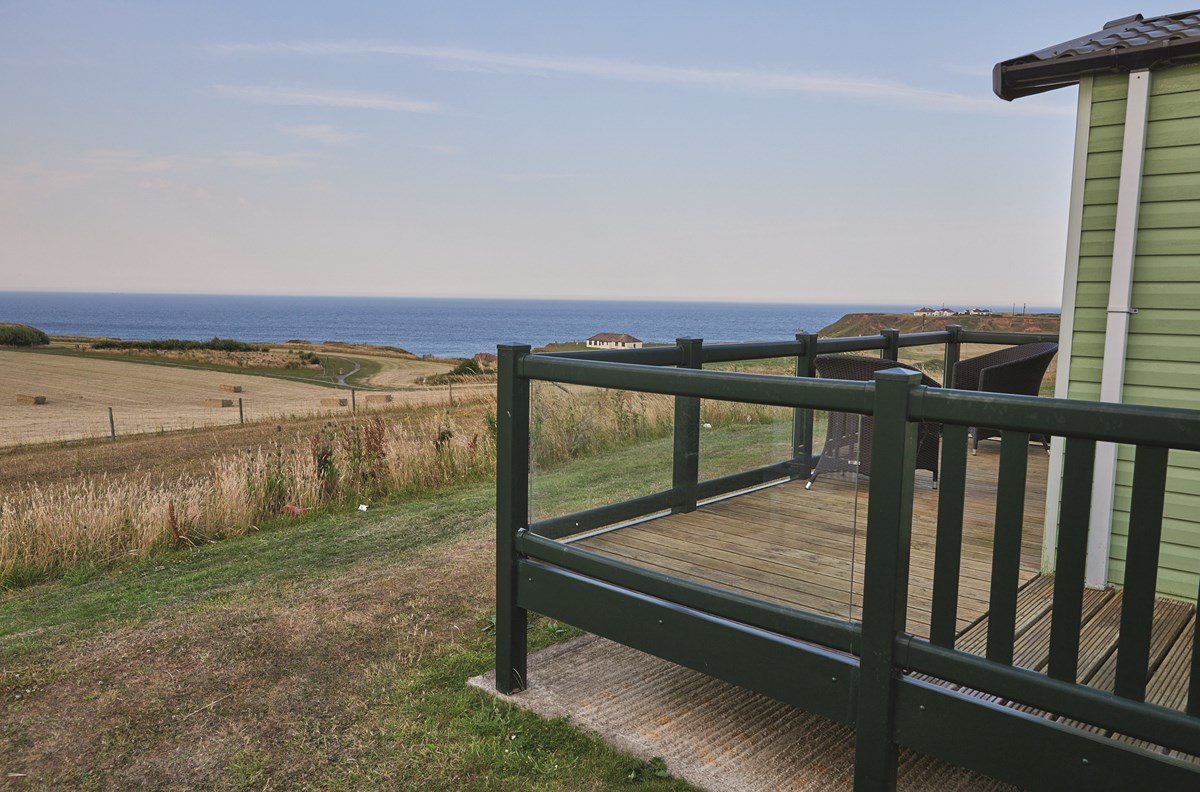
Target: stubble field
149, 398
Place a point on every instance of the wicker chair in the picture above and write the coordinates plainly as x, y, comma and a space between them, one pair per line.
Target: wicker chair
1016, 369
848, 435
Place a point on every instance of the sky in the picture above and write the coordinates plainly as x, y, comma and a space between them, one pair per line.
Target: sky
751, 151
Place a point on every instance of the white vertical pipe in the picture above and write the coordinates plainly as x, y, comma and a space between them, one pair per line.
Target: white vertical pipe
1083, 126
1116, 333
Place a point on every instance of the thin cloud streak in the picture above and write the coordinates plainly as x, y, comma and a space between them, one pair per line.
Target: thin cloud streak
317, 98
738, 80
322, 133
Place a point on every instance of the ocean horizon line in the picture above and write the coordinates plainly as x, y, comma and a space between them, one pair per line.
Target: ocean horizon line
456, 298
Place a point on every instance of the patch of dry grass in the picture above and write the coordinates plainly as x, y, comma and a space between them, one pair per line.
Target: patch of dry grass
49, 527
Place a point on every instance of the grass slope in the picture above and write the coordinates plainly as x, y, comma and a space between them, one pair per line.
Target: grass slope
327, 654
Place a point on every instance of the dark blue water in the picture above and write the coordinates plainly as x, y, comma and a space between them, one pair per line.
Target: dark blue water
425, 326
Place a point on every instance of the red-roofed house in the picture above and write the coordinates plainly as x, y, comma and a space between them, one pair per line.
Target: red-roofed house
614, 340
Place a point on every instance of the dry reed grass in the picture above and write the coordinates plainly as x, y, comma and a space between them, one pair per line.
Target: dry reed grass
98, 520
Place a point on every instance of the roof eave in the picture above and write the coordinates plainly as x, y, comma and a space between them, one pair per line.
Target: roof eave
1013, 79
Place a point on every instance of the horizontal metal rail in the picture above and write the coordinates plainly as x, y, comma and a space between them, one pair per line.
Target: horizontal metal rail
1103, 421
645, 505
1026, 749
646, 356
1139, 720
1006, 339
759, 660
732, 352
790, 622
766, 389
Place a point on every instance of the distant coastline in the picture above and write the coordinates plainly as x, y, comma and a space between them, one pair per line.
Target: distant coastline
426, 326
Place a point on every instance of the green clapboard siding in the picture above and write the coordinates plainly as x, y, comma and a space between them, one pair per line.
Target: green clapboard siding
1163, 357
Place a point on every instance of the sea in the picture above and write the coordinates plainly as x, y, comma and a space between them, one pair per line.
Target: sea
441, 327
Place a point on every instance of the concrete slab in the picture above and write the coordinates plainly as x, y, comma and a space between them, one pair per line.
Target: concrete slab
715, 735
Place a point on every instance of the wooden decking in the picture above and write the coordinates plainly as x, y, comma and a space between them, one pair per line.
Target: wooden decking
1172, 634
805, 548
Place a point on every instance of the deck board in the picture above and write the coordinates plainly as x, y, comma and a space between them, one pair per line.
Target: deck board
805, 547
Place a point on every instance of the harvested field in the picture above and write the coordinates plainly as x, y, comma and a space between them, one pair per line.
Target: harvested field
144, 398
29, 400
334, 402
231, 388
379, 398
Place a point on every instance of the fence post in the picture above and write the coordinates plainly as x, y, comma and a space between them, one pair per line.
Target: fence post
953, 351
685, 471
512, 514
885, 579
802, 417
892, 350
353, 402
112, 425
241, 412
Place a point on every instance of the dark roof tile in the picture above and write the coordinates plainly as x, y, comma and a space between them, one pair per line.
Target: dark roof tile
1123, 45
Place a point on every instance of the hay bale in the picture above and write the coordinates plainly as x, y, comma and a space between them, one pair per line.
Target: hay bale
232, 388
218, 402
334, 402
23, 399
380, 398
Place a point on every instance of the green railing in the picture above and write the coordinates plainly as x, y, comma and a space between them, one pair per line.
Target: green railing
855, 671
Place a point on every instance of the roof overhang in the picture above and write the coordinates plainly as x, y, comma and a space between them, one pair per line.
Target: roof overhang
1124, 45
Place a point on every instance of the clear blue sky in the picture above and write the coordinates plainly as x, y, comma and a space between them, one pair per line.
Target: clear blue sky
760, 151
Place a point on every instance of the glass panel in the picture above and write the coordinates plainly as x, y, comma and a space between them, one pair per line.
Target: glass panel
595, 446
736, 437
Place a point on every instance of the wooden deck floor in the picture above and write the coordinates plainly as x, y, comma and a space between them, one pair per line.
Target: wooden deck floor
805, 548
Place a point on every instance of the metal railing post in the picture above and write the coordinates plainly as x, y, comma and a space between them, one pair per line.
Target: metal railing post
685, 473
885, 578
953, 352
892, 351
802, 418
512, 514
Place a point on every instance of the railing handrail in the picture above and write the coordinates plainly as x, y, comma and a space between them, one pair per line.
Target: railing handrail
767, 389
741, 351
1102, 421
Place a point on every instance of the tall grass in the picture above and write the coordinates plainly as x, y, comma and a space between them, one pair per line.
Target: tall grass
95, 521
98, 520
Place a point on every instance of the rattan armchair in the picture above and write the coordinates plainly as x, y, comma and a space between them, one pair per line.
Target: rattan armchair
1016, 369
848, 435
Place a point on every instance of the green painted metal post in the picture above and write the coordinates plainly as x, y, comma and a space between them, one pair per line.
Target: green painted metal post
685, 473
892, 350
952, 354
512, 514
885, 579
802, 418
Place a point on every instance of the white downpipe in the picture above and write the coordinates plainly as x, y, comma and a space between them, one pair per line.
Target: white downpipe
1116, 332
1083, 127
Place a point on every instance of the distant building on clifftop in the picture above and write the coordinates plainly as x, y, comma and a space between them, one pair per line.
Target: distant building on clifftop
617, 340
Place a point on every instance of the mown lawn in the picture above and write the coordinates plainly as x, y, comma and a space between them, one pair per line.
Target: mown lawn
327, 654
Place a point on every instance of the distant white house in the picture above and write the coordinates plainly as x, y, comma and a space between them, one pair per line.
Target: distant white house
614, 340
978, 312
933, 312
